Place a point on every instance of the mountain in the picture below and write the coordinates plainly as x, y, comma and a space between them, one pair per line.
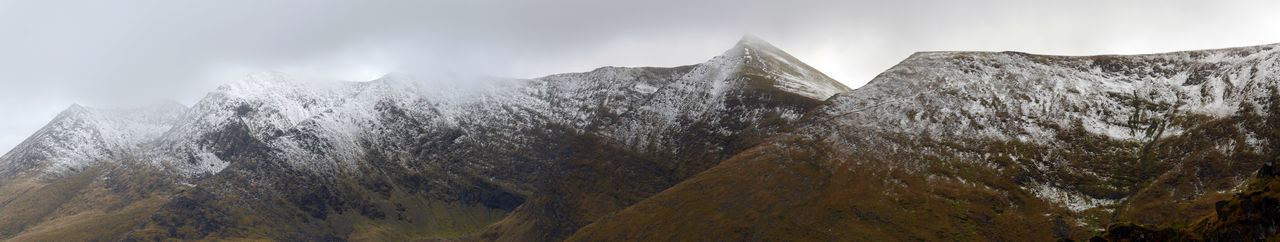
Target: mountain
992, 146
45, 182
752, 144
278, 158
79, 137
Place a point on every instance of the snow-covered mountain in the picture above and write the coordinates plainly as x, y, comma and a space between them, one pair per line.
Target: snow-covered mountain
749, 145
270, 137
80, 137
999, 146
1011, 95
644, 104
1017, 97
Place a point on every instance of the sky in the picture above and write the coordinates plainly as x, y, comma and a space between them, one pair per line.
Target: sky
114, 54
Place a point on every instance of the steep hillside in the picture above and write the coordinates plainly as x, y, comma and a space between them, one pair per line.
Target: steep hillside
1001, 146
80, 137
84, 170
1251, 215
717, 109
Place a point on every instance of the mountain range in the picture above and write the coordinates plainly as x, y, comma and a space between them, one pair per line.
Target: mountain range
750, 145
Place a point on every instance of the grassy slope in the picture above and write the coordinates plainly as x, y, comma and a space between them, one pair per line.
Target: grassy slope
259, 197
95, 224
792, 192
98, 203
38, 201
345, 209
798, 189
1252, 215
589, 177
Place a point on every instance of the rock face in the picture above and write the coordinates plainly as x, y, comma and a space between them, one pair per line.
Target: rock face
750, 145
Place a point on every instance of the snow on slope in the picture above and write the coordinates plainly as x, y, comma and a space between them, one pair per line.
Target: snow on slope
1013, 96
325, 126
80, 137
788, 72
700, 93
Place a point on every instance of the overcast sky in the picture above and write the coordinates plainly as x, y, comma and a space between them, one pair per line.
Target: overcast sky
128, 53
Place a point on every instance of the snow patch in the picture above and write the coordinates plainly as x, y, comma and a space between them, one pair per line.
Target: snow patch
1072, 200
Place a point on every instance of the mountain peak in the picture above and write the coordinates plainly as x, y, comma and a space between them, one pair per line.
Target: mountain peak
74, 109
752, 40
82, 136
789, 73
751, 43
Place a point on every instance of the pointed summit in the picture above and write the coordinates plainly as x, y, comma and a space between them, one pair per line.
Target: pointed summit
749, 39
82, 136
787, 72
75, 108
750, 43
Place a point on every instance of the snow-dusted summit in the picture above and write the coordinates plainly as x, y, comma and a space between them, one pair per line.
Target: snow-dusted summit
81, 136
324, 126
787, 72
298, 159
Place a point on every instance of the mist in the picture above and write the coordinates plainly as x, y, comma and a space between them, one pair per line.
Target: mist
129, 53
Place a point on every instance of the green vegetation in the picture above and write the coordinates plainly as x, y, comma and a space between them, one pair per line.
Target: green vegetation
1251, 215
790, 189
37, 201
98, 203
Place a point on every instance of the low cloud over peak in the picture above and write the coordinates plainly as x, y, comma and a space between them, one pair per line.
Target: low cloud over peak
108, 54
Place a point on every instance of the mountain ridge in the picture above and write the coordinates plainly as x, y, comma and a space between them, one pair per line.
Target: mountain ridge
316, 157
752, 144
105, 130
994, 145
